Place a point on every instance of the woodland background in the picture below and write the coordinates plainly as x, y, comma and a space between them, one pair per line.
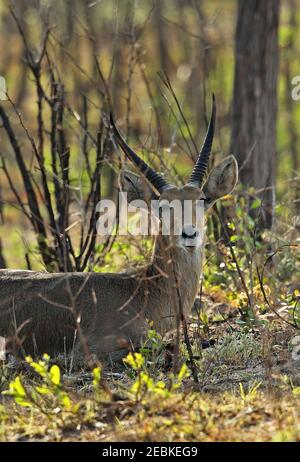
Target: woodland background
67, 64
97, 56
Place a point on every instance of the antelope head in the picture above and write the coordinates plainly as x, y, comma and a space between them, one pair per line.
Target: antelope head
116, 308
220, 182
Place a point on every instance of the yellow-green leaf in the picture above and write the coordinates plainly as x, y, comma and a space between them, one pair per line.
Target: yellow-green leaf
55, 375
96, 376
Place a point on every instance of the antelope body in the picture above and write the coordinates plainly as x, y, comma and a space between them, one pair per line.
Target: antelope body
107, 313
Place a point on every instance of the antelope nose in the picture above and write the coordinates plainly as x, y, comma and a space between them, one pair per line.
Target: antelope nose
189, 232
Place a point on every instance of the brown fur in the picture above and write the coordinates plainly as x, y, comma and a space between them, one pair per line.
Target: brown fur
110, 311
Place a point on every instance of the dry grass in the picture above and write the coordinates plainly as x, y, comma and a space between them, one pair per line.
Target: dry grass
190, 416
248, 391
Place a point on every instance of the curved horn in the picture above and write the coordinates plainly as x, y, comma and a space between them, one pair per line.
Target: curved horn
151, 175
200, 167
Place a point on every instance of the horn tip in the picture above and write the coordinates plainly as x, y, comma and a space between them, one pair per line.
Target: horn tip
213, 101
111, 118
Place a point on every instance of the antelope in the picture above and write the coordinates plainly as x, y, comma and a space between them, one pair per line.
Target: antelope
44, 312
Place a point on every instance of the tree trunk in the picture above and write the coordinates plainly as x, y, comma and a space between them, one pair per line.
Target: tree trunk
291, 121
2, 259
254, 111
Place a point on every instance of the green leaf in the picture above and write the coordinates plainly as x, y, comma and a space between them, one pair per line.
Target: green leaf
239, 212
183, 373
296, 391
256, 204
75, 408
134, 360
43, 390
96, 376
66, 401
22, 402
40, 368
16, 388
55, 375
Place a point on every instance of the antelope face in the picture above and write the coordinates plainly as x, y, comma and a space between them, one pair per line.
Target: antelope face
182, 216
186, 205
183, 206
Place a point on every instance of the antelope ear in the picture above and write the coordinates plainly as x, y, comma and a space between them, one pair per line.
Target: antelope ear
136, 187
221, 181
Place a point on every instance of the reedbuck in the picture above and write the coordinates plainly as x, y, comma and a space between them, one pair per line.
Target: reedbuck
110, 313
